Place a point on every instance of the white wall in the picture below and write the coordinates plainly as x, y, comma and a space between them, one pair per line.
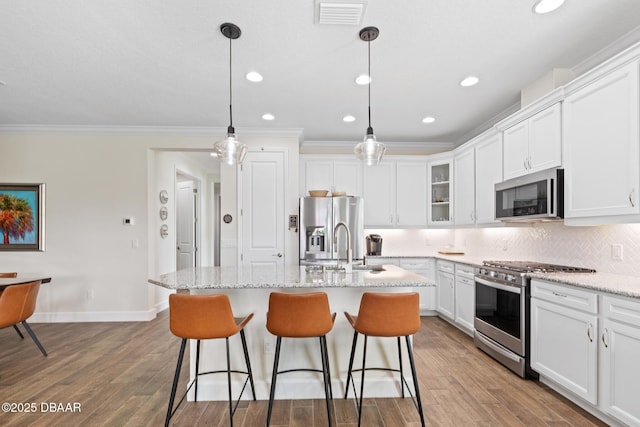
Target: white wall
94, 179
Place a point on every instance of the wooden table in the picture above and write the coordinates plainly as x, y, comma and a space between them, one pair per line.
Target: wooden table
20, 280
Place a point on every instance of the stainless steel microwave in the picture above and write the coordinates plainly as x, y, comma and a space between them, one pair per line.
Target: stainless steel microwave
535, 197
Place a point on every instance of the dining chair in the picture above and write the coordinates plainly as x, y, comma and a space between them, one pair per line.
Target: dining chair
10, 275
17, 304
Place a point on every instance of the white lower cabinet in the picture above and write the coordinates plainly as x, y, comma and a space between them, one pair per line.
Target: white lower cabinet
464, 297
446, 290
591, 353
620, 355
425, 267
564, 345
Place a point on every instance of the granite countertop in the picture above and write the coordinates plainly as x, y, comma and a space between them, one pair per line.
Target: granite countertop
628, 286
290, 276
616, 284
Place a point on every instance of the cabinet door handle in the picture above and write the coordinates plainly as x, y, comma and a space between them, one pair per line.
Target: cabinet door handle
606, 332
558, 294
529, 161
589, 328
633, 205
524, 162
391, 219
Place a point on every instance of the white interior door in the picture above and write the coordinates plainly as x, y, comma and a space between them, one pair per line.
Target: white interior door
262, 209
186, 225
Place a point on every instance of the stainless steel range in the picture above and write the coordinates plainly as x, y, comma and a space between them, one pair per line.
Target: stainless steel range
502, 310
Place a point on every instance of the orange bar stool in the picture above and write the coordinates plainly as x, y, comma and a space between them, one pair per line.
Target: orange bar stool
305, 315
17, 304
204, 317
386, 315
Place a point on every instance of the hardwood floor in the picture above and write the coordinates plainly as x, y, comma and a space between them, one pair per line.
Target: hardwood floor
121, 374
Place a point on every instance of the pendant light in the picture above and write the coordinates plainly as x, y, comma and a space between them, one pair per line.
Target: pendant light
369, 150
230, 150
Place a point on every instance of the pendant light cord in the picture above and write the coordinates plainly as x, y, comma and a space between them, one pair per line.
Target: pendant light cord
369, 129
230, 129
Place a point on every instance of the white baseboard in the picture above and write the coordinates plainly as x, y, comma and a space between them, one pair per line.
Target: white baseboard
95, 316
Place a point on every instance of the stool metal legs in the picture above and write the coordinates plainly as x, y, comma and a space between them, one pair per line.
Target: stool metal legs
359, 399
171, 410
326, 376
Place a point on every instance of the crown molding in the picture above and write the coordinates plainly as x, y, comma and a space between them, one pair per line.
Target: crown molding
603, 55
150, 130
341, 146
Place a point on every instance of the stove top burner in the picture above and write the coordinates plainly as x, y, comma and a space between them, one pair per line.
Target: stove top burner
535, 267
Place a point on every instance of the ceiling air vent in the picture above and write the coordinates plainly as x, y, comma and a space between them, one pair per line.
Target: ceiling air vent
340, 13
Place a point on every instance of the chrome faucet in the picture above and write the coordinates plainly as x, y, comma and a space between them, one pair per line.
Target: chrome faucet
335, 240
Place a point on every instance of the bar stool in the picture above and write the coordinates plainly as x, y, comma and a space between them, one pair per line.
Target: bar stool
203, 317
386, 315
305, 315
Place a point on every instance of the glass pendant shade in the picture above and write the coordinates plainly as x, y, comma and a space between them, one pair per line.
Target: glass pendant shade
370, 151
230, 150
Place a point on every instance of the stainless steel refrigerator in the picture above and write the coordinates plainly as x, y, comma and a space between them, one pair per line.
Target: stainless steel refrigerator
318, 218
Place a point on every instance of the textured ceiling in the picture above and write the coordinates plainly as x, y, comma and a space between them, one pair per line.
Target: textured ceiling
164, 63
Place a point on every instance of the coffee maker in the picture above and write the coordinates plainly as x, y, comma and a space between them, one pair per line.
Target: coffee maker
374, 244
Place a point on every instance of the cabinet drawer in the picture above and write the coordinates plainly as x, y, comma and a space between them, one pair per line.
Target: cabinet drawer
464, 270
565, 295
445, 266
620, 309
416, 263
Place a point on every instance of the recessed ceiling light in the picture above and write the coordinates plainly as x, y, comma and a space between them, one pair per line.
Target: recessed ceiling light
268, 116
469, 81
546, 6
348, 119
254, 76
363, 79
428, 119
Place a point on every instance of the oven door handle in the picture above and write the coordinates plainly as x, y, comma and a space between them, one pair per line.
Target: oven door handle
511, 289
498, 348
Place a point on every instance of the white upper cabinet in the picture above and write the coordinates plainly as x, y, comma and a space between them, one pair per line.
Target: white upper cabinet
440, 199
488, 173
395, 194
464, 187
602, 146
534, 144
379, 194
330, 173
411, 193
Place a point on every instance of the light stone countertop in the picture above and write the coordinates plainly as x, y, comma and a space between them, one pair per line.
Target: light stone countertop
291, 276
628, 286
616, 284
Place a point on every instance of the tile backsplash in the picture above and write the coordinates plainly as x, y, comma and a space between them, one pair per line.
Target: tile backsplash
542, 242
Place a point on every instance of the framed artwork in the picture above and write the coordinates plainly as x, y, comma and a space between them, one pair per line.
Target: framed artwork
22, 217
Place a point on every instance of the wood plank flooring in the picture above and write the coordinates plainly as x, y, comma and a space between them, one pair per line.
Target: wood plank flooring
121, 374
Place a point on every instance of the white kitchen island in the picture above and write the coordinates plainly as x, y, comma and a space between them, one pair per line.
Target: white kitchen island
248, 289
